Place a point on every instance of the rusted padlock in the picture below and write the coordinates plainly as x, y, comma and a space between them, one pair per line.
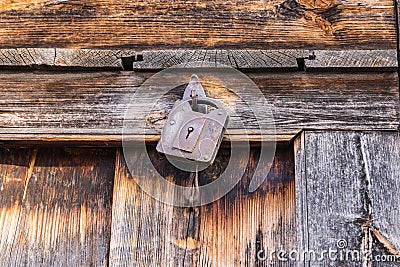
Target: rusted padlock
195, 126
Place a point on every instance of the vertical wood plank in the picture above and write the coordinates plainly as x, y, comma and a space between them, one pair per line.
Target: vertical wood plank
62, 216
147, 232
347, 191
251, 229
14, 171
229, 232
331, 186
382, 157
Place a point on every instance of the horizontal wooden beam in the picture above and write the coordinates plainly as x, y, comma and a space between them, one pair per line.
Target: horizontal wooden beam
91, 106
59, 57
240, 59
245, 59
359, 59
273, 24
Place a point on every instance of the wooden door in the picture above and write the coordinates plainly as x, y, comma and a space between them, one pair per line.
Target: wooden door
328, 69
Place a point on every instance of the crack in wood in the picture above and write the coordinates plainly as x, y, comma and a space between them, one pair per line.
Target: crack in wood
385, 242
366, 243
29, 171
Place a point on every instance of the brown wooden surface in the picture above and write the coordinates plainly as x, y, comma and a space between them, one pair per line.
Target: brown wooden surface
228, 232
275, 24
146, 232
347, 193
55, 206
90, 106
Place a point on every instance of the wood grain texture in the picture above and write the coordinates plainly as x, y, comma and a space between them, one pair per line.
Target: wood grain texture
270, 59
228, 232
346, 190
55, 206
91, 106
241, 59
381, 152
59, 57
331, 203
250, 229
146, 232
283, 60
323, 59
273, 24
27, 56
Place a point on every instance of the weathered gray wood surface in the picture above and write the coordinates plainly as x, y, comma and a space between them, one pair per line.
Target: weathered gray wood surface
59, 57
382, 157
229, 232
55, 206
269, 59
330, 183
347, 199
360, 59
289, 59
241, 59
90, 106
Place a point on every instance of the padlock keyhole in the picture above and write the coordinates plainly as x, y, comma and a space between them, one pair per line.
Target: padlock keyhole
190, 130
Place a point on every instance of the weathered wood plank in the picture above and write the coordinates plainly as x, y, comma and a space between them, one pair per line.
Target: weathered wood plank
249, 229
274, 24
270, 59
288, 59
347, 198
91, 106
91, 58
27, 56
228, 232
241, 59
323, 59
381, 152
331, 204
14, 168
59, 57
145, 231
55, 206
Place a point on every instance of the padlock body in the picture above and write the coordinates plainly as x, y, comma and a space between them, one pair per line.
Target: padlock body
193, 135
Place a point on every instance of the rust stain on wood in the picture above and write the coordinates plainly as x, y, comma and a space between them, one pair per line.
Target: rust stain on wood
188, 243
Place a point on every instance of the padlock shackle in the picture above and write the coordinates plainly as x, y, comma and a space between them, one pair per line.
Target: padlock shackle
206, 101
